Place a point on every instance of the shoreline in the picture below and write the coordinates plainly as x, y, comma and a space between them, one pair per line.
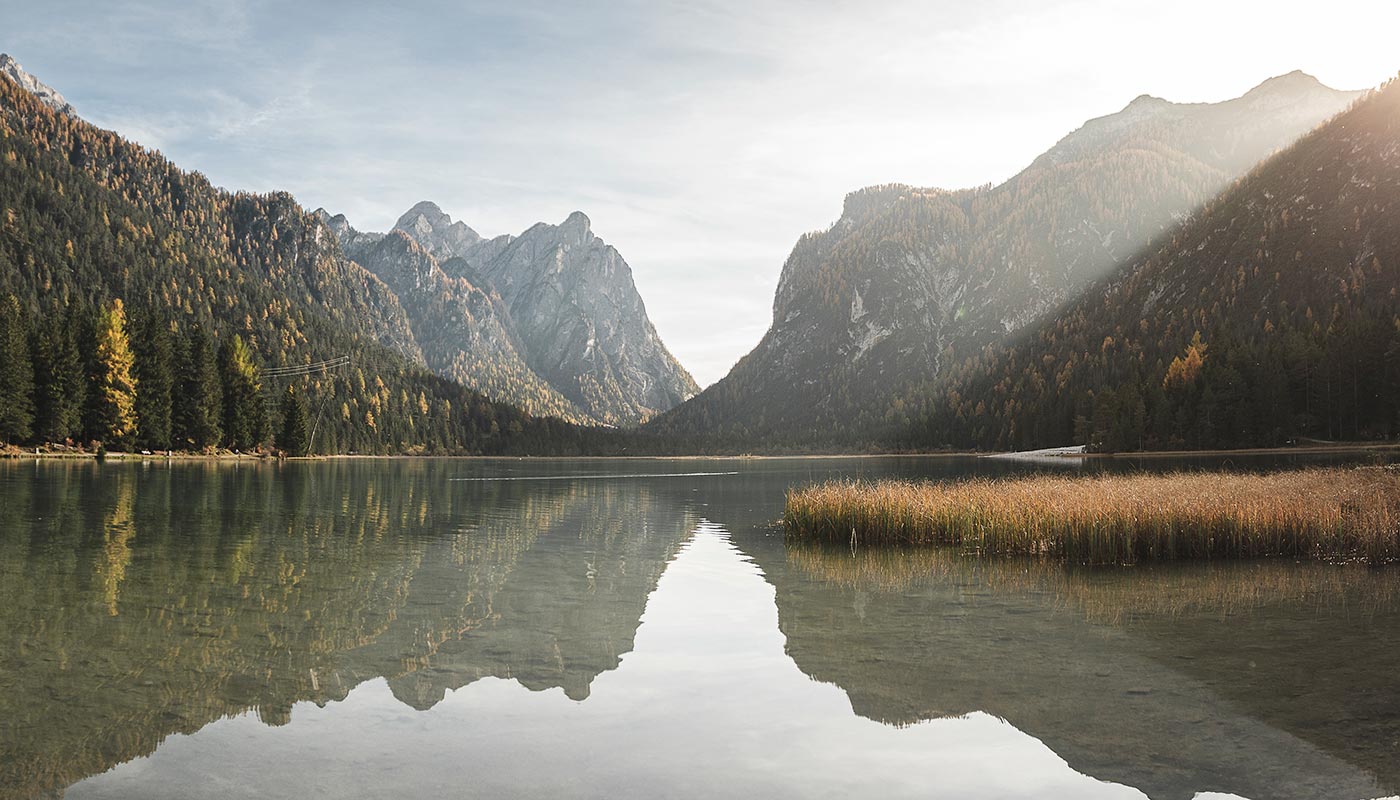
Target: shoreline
1321, 449
1066, 454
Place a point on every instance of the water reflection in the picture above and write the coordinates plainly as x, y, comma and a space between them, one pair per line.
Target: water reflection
1262, 679
383, 628
707, 705
138, 602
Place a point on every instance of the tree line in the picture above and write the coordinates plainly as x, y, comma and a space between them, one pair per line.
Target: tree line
98, 377
1339, 381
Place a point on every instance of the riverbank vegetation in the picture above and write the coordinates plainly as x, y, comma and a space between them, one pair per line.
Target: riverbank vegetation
1117, 519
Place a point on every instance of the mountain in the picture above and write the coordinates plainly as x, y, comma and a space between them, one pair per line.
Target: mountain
550, 319
583, 324
436, 232
463, 332
910, 281
88, 218
47, 95
1271, 313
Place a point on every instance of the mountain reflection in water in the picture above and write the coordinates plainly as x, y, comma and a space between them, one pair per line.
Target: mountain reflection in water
366, 628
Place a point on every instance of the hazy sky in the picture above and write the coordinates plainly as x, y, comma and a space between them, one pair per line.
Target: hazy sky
702, 137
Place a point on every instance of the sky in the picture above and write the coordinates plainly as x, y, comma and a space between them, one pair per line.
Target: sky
702, 138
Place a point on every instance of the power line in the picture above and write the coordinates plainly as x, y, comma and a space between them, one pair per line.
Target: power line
301, 371
298, 370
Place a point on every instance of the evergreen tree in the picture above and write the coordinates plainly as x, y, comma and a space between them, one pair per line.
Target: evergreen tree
60, 388
113, 417
244, 417
198, 405
154, 374
293, 438
16, 374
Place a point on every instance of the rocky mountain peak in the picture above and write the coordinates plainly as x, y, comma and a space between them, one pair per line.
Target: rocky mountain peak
550, 320
1292, 82
435, 231
338, 224
1148, 101
11, 69
1295, 89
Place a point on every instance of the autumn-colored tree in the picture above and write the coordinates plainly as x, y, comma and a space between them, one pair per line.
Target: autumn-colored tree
1184, 370
114, 386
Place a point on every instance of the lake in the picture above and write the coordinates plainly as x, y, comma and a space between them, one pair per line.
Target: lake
597, 628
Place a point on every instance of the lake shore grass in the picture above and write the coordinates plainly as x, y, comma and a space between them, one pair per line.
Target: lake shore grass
1336, 514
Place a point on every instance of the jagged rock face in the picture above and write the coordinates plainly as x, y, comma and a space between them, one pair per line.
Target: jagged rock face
910, 281
435, 231
550, 320
582, 323
462, 330
11, 69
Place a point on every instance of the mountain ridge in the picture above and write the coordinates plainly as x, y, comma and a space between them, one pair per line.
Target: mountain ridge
88, 218
562, 328
910, 281
1270, 313
47, 95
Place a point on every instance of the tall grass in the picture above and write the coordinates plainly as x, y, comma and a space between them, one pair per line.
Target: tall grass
1117, 519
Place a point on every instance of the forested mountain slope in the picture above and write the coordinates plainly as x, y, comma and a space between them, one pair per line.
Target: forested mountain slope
1271, 313
87, 218
910, 281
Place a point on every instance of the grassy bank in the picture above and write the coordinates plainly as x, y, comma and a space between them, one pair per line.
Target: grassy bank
1314, 513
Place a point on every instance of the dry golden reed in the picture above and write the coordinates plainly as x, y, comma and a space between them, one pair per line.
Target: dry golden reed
1117, 519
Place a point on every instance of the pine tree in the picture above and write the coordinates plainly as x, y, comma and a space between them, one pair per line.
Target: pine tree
244, 418
293, 438
60, 388
114, 386
154, 374
16, 374
198, 405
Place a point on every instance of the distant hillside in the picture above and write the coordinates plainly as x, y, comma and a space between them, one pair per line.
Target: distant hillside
911, 281
1272, 313
87, 218
549, 320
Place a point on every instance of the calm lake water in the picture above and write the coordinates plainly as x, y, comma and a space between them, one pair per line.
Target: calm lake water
422, 628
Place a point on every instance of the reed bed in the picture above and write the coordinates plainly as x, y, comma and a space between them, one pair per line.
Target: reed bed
1335, 514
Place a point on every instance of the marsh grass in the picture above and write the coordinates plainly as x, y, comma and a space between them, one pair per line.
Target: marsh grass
1338, 514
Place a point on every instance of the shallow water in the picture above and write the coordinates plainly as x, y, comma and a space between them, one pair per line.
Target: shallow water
640, 628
